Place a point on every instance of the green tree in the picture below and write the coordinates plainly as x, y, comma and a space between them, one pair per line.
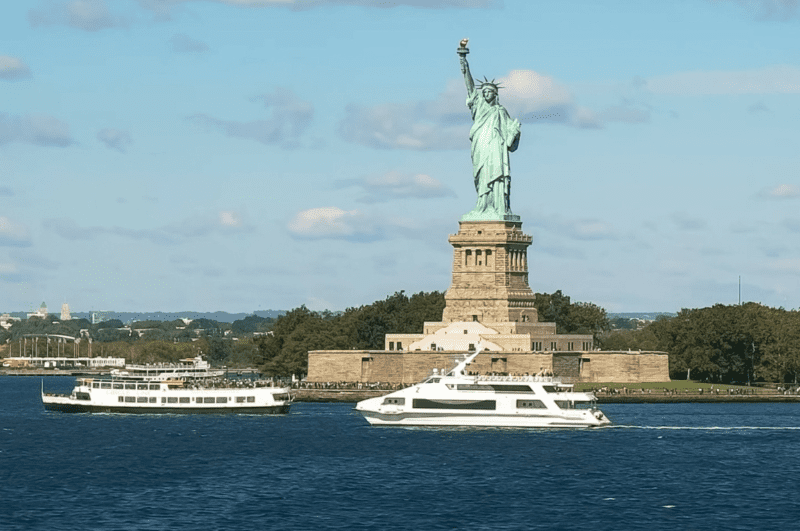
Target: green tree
250, 324
577, 318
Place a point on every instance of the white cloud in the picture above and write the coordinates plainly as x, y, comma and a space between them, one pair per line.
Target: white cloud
782, 191
401, 126
332, 222
12, 68
290, 118
87, 15
115, 139
336, 223
396, 185
13, 234
230, 219
7, 269
776, 79
37, 129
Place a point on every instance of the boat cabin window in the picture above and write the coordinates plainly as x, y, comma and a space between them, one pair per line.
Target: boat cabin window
105, 385
424, 403
130, 399
208, 400
183, 400
130, 386
530, 404
154, 387
251, 399
95, 385
172, 400
511, 388
118, 386
473, 387
394, 401
141, 386
141, 399
222, 399
565, 404
551, 389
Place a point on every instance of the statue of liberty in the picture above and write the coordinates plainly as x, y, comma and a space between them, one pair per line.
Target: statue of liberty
493, 135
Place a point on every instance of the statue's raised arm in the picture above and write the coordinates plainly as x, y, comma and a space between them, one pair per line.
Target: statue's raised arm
462, 54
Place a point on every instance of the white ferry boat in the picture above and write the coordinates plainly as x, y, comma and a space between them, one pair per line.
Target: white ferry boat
142, 389
457, 398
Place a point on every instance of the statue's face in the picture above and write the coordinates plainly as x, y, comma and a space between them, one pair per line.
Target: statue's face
489, 95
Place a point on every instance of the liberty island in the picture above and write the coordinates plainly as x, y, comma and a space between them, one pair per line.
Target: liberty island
490, 301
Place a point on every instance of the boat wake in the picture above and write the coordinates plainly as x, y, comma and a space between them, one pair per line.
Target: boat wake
701, 428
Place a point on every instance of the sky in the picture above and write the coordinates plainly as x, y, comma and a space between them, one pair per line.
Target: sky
245, 155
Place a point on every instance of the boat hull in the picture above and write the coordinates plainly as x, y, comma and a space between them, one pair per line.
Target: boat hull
76, 406
489, 421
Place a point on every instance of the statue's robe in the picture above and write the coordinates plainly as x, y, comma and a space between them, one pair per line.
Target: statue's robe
493, 135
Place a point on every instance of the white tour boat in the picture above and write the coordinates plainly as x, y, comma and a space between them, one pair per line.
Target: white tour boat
457, 398
190, 388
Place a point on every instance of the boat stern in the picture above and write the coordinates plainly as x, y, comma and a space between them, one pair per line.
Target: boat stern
599, 417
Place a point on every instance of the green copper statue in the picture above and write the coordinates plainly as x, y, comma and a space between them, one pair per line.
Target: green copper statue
493, 135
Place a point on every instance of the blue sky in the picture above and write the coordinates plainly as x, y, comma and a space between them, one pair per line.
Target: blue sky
244, 155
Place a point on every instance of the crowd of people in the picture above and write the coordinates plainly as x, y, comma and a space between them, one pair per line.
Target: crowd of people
226, 383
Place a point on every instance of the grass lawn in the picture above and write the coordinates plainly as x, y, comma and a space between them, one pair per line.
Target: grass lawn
680, 386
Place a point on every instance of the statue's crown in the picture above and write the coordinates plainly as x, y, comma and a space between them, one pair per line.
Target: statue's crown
486, 83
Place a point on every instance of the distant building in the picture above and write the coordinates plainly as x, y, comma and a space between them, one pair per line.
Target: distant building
65, 315
41, 312
99, 317
6, 320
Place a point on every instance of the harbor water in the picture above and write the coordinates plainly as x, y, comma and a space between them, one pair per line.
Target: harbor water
660, 466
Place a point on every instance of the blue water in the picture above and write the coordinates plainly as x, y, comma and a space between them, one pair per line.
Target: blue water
682, 466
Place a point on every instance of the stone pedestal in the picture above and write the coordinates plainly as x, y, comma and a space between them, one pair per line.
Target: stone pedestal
490, 274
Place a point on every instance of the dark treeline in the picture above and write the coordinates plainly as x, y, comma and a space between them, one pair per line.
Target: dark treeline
723, 344
363, 328
115, 330
572, 318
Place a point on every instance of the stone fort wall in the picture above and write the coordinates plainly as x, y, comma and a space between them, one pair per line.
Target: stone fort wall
370, 366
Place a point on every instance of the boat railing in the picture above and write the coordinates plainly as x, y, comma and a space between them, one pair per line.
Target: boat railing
508, 378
